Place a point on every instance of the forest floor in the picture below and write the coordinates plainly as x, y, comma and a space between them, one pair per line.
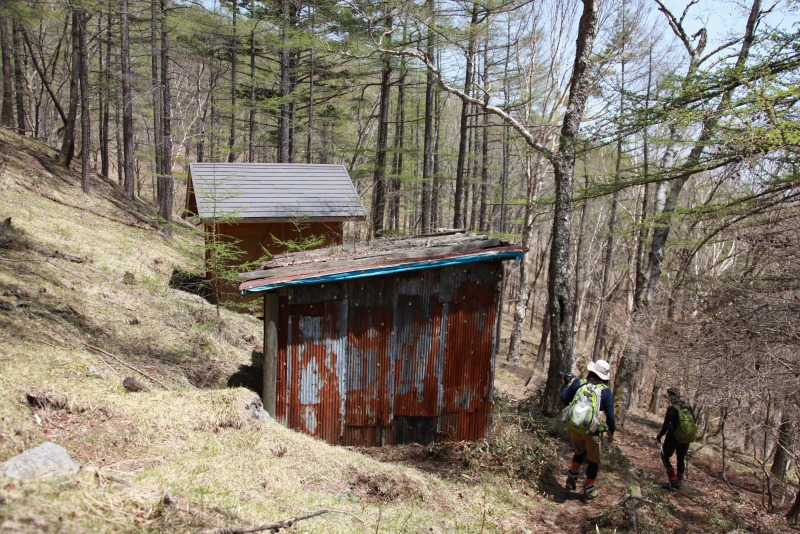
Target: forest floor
632, 497
85, 301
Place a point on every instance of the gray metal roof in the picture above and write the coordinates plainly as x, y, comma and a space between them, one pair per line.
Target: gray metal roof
272, 191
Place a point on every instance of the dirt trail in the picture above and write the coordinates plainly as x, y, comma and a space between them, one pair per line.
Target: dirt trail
705, 503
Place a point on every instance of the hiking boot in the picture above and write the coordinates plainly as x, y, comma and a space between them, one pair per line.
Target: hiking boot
571, 482
589, 493
672, 486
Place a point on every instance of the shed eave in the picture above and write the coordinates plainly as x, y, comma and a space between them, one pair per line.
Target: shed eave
263, 285
258, 220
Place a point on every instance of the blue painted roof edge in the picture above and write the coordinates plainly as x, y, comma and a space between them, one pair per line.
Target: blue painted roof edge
390, 269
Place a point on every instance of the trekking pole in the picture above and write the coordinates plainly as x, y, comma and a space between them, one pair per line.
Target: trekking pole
664, 461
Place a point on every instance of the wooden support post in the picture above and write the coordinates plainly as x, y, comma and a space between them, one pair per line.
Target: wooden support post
270, 351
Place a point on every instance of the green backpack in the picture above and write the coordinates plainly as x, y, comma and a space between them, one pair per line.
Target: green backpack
583, 411
687, 427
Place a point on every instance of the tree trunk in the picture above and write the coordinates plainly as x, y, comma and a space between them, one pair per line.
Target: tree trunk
284, 133
118, 135
436, 206
251, 143
399, 147
521, 305
523, 295
379, 175
86, 121
105, 96
473, 186
484, 185
794, 510
578, 250
42, 72
127, 102
560, 301
665, 203
7, 113
234, 47
458, 218
310, 103
427, 158
541, 352
661, 232
157, 105
67, 151
166, 199
506, 134
19, 78
655, 399
780, 462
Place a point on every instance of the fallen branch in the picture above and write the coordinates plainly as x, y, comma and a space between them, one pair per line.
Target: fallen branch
274, 527
97, 350
68, 271
185, 508
68, 257
23, 261
629, 497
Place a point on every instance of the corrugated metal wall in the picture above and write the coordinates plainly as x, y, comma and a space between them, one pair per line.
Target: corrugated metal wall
390, 359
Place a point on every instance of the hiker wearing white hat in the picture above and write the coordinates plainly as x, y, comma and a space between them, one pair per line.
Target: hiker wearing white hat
586, 398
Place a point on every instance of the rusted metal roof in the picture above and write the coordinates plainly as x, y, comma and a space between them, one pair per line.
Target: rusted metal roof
272, 191
328, 266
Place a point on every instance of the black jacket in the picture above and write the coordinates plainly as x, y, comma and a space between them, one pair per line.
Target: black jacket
671, 421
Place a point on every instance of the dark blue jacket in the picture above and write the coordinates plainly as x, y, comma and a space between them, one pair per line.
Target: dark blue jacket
606, 401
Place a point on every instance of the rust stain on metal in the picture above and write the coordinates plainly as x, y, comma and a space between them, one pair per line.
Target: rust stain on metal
390, 359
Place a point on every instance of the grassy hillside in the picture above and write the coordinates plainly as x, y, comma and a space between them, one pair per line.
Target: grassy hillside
85, 302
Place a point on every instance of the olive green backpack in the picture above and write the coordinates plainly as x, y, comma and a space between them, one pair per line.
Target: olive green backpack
686, 432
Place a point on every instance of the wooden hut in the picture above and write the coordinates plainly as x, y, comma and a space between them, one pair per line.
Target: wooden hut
384, 346
263, 206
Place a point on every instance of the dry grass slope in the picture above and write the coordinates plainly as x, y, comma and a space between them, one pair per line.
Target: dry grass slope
82, 271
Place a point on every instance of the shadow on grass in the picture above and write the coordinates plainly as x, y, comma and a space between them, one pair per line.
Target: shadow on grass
250, 376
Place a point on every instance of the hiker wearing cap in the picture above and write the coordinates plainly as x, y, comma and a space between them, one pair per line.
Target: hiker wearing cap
679, 429
585, 398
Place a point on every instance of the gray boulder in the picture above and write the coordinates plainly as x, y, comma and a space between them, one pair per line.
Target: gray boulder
46, 460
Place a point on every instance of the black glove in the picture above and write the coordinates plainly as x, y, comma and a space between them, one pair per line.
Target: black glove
658, 438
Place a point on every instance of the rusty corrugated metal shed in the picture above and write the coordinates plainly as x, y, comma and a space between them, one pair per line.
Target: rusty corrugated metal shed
404, 354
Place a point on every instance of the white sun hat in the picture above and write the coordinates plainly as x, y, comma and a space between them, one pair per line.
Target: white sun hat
601, 368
